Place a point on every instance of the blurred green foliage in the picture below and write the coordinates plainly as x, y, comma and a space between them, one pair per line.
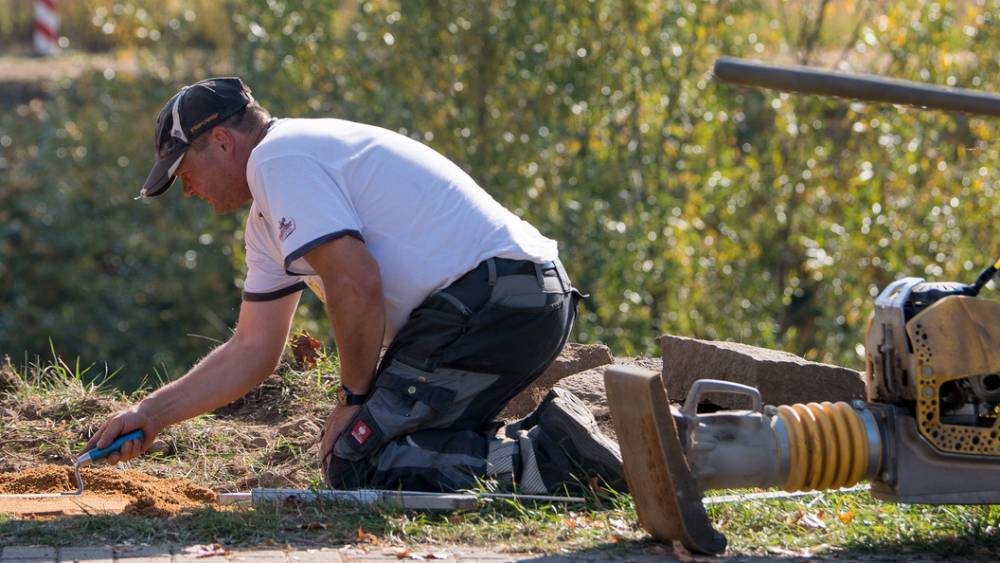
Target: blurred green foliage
681, 204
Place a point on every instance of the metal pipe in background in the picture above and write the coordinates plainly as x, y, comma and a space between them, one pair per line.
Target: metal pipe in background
865, 87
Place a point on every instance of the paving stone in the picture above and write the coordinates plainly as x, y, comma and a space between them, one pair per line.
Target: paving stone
99, 554
314, 556
24, 554
782, 378
257, 556
484, 555
143, 553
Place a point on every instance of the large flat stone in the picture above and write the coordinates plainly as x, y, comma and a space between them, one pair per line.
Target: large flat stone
573, 359
86, 554
143, 553
589, 384
24, 554
781, 377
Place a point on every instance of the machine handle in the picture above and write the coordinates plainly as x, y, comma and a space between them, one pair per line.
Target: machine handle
703, 386
98, 453
867, 87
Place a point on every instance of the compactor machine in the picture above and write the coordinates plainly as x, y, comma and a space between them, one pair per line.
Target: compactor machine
928, 433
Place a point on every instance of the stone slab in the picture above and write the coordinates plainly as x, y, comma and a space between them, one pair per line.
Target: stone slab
781, 377
256, 556
314, 556
574, 358
25, 554
143, 553
98, 554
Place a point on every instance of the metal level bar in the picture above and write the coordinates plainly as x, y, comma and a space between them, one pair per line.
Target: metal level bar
780, 495
865, 87
420, 500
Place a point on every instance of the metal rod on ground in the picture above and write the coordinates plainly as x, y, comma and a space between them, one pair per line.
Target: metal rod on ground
416, 500
866, 87
779, 495
533, 498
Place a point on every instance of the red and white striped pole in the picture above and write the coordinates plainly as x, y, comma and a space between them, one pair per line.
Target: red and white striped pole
46, 36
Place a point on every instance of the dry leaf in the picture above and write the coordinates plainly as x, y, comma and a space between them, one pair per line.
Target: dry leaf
793, 518
619, 525
846, 517
366, 537
402, 553
810, 521
208, 550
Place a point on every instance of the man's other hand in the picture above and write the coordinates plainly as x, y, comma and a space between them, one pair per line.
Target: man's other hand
123, 423
336, 423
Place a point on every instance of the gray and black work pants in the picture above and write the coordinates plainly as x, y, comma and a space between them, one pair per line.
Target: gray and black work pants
462, 355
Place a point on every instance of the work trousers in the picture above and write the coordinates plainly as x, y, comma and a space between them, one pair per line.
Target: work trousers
463, 354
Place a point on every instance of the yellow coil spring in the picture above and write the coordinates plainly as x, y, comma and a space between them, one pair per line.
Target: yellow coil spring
828, 446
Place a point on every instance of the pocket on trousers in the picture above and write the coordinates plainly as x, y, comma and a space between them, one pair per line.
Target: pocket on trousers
427, 331
522, 293
401, 403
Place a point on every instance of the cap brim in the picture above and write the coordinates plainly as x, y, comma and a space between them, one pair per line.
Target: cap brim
162, 176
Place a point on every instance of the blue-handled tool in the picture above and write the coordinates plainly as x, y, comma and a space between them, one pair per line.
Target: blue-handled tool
98, 453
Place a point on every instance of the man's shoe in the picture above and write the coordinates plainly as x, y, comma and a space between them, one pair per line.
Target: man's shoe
570, 447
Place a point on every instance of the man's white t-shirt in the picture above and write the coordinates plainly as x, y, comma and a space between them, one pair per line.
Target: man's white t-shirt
422, 218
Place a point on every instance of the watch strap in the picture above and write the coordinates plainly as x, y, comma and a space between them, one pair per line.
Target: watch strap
354, 399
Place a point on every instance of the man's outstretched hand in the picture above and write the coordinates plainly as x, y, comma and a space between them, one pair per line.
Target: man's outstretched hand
123, 423
336, 423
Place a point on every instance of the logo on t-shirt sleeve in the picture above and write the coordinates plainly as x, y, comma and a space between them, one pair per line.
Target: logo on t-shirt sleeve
286, 226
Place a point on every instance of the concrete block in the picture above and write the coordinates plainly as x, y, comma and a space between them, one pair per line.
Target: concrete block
781, 377
589, 384
257, 555
26, 554
573, 359
143, 553
98, 554
325, 555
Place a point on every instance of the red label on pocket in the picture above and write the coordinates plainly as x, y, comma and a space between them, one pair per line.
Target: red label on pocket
361, 432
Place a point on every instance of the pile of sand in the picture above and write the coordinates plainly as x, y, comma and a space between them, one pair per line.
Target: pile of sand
106, 490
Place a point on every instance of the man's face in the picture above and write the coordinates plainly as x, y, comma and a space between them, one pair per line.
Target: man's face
215, 176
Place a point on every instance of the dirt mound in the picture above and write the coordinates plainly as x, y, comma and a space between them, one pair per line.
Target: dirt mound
145, 495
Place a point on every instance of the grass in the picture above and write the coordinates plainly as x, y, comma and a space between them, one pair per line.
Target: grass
269, 439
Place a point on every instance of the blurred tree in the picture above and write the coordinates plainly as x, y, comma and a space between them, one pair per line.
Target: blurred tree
681, 204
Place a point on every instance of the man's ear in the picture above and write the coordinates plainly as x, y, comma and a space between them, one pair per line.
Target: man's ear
224, 140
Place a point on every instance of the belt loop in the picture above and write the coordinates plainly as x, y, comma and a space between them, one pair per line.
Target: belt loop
564, 282
539, 275
491, 266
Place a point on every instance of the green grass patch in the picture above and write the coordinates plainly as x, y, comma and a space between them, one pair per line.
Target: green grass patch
269, 439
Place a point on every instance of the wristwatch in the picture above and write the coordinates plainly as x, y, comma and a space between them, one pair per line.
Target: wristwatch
351, 399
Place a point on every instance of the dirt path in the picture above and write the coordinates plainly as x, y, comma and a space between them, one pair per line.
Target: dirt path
27, 68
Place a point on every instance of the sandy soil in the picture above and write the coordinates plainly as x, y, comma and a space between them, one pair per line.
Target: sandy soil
106, 490
88, 503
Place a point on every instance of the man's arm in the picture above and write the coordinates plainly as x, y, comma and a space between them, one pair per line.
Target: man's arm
226, 374
356, 306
